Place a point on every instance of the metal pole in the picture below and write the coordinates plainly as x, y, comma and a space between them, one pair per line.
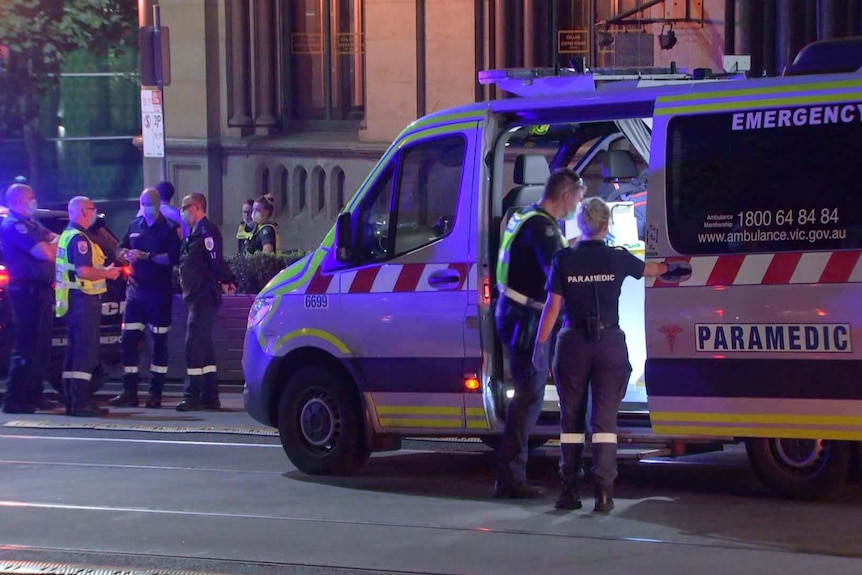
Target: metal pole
157, 56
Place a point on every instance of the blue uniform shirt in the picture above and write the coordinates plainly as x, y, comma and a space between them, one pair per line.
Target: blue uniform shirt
160, 238
80, 250
202, 263
20, 234
590, 276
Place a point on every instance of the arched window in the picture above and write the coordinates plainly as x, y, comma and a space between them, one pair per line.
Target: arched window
264, 182
283, 189
318, 180
336, 191
300, 178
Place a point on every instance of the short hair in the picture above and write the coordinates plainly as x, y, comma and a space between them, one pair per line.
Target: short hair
266, 202
166, 190
560, 181
249, 202
200, 199
594, 216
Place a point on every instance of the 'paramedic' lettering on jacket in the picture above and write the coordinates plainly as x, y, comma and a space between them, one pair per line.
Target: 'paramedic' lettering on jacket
785, 118
202, 263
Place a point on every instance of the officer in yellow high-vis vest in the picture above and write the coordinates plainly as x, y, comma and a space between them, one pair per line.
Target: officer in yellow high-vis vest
529, 242
81, 276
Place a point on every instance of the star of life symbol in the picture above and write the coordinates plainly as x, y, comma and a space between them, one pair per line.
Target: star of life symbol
670, 332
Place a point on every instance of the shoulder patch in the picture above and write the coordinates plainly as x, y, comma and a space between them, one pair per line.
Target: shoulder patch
83, 247
209, 243
21, 228
550, 231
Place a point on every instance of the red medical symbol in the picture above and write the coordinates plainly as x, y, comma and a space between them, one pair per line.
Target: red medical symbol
670, 332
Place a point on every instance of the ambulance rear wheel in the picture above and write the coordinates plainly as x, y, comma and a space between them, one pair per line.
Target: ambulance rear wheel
320, 423
801, 468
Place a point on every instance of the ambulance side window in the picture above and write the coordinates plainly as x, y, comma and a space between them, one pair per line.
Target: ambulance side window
428, 188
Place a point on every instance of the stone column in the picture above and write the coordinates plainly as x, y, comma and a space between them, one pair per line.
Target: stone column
238, 48
265, 62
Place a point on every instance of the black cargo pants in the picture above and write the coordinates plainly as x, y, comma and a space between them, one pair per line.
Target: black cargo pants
82, 353
33, 317
201, 379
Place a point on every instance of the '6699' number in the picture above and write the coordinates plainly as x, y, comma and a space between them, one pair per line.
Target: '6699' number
316, 302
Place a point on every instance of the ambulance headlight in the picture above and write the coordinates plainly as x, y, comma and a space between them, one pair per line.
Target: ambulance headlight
259, 310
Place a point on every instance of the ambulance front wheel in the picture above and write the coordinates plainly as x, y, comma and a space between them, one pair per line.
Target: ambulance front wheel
801, 468
320, 423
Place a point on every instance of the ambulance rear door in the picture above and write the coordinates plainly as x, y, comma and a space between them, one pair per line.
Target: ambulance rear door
756, 187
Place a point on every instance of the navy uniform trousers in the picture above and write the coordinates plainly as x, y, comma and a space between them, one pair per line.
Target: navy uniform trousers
146, 310
201, 382
33, 316
602, 365
82, 353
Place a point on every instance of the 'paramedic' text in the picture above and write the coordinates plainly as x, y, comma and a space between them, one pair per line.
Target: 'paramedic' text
806, 338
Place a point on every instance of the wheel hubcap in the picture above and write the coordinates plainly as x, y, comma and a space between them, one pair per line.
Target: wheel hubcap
317, 422
799, 453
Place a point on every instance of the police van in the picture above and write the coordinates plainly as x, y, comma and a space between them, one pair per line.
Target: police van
386, 330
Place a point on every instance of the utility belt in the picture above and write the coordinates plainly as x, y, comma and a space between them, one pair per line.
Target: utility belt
592, 327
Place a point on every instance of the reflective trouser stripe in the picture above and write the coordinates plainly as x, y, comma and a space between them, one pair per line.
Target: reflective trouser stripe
159, 368
134, 326
77, 375
604, 438
156, 329
130, 369
572, 438
201, 370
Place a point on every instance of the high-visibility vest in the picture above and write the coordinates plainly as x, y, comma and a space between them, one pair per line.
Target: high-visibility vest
274, 227
512, 227
243, 235
67, 279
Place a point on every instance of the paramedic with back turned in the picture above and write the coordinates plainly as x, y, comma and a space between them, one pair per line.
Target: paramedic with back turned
529, 242
591, 349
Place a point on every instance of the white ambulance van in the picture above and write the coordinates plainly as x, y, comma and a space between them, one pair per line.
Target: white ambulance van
386, 330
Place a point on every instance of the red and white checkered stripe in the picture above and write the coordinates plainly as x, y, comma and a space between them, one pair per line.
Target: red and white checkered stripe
390, 278
769, 269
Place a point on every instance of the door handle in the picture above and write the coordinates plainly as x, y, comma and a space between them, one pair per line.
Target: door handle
444, 278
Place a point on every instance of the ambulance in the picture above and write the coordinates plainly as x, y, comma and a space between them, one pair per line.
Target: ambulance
386, 330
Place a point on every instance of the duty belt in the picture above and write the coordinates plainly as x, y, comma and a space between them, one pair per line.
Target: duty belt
520, 298
583, 325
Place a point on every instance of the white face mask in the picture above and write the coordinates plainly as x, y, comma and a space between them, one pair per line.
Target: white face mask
256, 217
151, 212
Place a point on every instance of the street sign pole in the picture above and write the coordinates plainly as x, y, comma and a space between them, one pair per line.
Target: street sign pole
157, 54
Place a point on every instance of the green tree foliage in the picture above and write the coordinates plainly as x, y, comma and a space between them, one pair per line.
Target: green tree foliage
254, 271
39, 35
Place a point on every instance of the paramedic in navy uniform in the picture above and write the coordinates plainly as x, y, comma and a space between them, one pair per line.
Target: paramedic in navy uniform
531, 238
590, 349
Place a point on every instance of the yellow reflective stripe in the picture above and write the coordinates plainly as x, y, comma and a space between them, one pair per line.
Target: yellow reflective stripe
777, 432
602, 438
77, 375
418, 410
573, 438
762, 418
156, 329
311, 332
755, 104
736, 93
475, 411
406, 422
132, 327
159, 368
477, 424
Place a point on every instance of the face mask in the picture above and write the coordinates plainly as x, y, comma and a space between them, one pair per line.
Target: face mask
256, 217
571, 215
32, 206
151, 212
186, 216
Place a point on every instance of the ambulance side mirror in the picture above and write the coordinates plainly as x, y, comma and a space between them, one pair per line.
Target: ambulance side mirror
344, 238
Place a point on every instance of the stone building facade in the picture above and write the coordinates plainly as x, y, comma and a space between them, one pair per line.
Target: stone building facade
299, 98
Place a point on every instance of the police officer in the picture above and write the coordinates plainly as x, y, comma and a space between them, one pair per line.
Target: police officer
81, 276
204, 276
591, 349
29, 250
152, 246
246, 227
265, 236
531, 238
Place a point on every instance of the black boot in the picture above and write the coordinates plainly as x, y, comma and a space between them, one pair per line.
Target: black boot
125, 399
604, 499
569, 499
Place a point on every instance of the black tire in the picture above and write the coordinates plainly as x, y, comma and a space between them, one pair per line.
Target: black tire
320, 423
801, 468
494, 441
